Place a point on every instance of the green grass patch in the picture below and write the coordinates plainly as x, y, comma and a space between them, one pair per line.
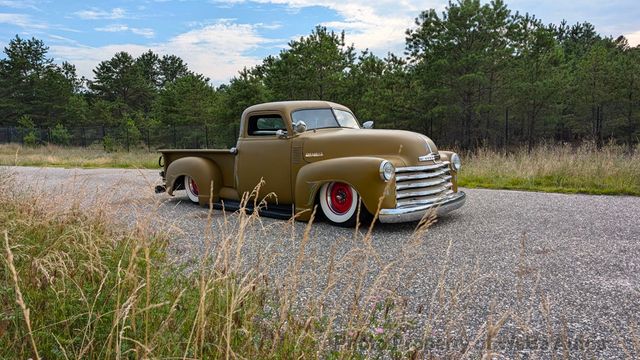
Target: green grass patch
96, 293
611, 170
89, 288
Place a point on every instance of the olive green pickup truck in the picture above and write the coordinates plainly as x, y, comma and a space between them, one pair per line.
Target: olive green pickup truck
312, 153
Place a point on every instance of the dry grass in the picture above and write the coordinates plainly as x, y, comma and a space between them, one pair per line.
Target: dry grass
87, 288
52, 155
583, 169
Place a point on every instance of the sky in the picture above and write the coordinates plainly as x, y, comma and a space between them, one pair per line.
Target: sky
218, 38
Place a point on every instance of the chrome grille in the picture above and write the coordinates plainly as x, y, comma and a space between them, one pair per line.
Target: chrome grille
420, 185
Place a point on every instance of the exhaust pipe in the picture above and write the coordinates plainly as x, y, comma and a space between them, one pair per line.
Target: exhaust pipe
160, 189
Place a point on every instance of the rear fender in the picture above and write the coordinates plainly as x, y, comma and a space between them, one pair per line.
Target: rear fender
203, 171
362, 173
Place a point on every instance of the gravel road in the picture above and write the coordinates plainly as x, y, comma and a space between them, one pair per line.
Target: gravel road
570, 263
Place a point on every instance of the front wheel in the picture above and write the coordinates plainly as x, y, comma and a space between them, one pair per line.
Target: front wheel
339, 203
192, 189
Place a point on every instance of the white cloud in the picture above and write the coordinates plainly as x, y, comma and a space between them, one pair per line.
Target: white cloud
21, 20
217, 50
270, 26
373, 24
112, 28
23, 4
146, 32
633, 38
59, 39
98, 14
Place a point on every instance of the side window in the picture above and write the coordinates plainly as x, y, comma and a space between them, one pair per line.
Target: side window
265, 125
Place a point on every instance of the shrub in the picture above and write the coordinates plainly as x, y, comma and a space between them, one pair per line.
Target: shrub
30, 139
132, 133
109, 143
60, 135
27, 129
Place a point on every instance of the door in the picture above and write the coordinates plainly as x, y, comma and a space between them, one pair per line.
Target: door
264, 154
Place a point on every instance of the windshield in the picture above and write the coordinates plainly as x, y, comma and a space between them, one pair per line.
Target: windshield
325, 118
346, 119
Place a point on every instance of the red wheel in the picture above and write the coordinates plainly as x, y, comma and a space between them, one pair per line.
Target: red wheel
340, 198
339, 203
192, 189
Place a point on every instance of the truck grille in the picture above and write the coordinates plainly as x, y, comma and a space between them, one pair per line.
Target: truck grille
421, 185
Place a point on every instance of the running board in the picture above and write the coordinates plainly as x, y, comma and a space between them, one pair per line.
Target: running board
275, 211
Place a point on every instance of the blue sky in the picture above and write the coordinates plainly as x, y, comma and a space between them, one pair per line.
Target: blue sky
219, 37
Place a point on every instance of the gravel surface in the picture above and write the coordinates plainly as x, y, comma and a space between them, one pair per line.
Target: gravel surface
566, 268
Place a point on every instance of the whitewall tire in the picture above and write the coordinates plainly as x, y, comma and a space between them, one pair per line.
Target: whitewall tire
339, 203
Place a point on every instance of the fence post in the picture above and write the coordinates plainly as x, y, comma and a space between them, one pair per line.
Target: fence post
104, 135
174, 137
9, 134
148, 141
83, 139
506, 130
127, 136
206, 136
236, 133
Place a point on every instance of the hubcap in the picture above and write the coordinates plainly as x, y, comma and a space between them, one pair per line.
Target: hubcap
193, 187
340, 198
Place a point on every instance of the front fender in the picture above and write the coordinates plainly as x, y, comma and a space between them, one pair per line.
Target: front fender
203, 171
362, 173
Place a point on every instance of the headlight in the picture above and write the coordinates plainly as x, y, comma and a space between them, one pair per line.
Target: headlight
456, 163
387, 170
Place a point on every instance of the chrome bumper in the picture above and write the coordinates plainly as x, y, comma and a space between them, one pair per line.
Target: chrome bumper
414, 213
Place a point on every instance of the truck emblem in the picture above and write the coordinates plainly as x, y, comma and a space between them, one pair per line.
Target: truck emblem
314, 154
429, 157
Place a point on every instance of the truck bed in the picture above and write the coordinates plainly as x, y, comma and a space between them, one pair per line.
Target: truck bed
224, 158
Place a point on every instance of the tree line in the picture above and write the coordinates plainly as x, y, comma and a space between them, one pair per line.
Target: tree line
475, 74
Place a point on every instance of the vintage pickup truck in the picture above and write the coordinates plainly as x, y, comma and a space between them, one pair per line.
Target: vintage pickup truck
312, 153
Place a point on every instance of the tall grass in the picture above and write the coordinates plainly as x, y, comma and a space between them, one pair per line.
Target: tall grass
85, 289
76, 283
91, 157
613, 169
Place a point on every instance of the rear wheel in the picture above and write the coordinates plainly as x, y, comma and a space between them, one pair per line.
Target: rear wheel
192, 189
339, 203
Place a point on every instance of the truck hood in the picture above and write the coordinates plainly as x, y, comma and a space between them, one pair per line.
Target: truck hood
402, 148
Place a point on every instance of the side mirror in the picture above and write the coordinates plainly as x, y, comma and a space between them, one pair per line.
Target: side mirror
368, 124
299, 126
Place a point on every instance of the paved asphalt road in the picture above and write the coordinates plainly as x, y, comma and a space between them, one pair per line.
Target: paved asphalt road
569, 263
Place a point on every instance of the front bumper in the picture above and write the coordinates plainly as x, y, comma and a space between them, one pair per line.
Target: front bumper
414, 213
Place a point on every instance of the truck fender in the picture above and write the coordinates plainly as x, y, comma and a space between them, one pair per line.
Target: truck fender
362, 173
203, 171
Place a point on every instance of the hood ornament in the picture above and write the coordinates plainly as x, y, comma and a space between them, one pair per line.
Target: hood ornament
429, 157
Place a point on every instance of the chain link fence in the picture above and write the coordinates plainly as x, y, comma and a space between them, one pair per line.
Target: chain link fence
125, 138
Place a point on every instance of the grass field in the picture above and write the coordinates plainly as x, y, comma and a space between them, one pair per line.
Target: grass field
76, 284
611, 170
585, 169
52, 155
